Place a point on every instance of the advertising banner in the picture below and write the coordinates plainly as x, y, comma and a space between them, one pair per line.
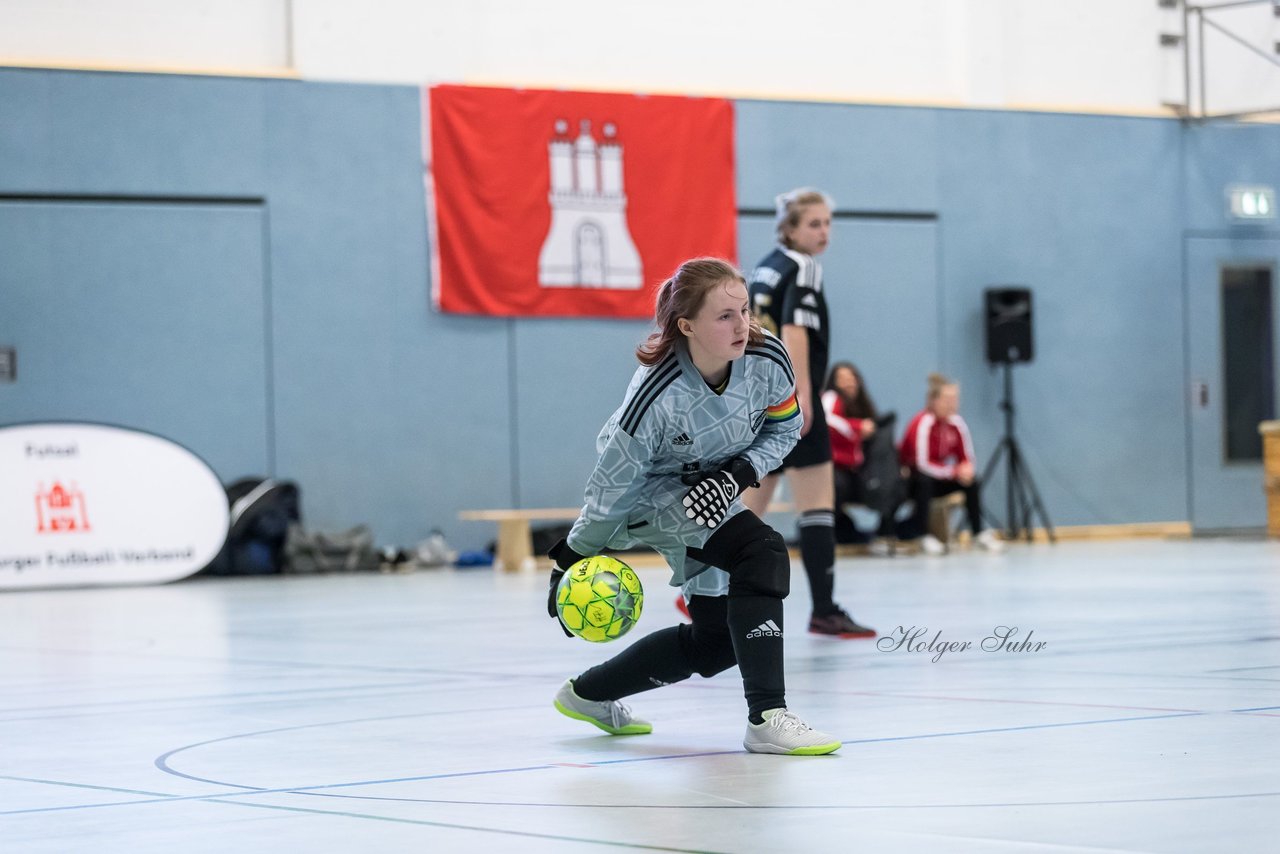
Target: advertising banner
89, 505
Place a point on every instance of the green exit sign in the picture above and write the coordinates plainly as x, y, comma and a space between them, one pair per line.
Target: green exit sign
1252, 202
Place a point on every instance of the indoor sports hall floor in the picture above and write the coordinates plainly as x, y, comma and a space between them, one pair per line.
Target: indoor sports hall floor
413, 713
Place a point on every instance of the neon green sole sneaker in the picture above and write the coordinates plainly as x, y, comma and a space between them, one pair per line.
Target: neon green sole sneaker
609, 715
784, 733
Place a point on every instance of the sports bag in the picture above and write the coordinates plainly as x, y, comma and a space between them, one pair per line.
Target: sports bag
262, 510
320, 551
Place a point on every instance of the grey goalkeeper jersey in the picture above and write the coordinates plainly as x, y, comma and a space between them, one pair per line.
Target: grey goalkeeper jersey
671, 427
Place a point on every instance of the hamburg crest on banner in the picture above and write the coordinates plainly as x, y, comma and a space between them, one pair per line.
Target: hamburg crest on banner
552, 203
589, 244
60, 509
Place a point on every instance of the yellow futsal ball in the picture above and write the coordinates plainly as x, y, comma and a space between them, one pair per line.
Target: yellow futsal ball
599, 598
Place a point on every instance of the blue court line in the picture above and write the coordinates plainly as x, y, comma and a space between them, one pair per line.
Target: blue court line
162, 761
320, 789
633, 760
203, 699
85, 786
1170, 799
1028, 727
273, 662
252, 790
521, 833
223, 799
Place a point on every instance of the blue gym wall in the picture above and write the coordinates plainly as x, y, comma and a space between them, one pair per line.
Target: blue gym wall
241, 265
1087, 212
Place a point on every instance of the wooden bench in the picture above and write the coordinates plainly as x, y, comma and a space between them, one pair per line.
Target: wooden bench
940, 526
940, 515
515, 536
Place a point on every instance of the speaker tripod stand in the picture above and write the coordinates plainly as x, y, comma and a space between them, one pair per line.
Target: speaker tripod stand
1022, 499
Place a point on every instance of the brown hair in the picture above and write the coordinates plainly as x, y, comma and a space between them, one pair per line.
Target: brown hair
860, 405
682, 295
791, 204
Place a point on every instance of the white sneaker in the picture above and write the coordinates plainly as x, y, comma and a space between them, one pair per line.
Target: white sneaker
782, 732
610, 715
988, 541
880, 547
931, 545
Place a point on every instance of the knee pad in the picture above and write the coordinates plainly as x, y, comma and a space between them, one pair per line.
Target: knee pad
762, 567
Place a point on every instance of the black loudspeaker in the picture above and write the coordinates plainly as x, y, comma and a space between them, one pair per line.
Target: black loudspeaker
1008, 326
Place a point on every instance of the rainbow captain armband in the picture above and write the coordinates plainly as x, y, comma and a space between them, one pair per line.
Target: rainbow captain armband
784, 411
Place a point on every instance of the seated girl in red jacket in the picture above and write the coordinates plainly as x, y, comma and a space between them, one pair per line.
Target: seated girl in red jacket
852, 423
937, 450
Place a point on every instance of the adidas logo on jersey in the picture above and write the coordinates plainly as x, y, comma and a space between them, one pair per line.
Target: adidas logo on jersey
682, 439
767, 629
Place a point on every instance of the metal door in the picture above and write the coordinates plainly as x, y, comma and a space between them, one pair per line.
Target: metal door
1231, 364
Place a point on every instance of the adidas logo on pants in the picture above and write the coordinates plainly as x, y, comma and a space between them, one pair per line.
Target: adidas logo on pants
767, 629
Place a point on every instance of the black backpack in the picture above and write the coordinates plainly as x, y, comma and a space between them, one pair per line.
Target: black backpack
261, 511
881, 471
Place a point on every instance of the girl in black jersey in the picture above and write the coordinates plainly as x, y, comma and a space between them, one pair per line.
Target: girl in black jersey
787, 295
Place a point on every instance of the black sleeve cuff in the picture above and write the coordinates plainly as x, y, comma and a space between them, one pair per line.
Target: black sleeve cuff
743, 473
564, 556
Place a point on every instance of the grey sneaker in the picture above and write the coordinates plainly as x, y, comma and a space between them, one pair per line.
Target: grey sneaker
783, 732
610, 715
931, 545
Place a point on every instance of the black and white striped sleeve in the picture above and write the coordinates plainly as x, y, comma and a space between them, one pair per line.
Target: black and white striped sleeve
626, 455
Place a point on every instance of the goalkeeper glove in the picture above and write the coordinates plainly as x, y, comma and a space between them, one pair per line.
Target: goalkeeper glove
710, 498
564, 558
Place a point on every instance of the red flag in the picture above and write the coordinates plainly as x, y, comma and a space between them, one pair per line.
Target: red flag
573, 203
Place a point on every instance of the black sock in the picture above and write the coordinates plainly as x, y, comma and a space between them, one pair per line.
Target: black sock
755, 623
651, 662
818, 551
973, 506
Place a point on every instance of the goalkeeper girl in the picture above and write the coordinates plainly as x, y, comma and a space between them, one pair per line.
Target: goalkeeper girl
711, 407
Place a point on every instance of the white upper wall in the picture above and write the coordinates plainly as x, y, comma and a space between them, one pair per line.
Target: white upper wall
217, 35
1089, 55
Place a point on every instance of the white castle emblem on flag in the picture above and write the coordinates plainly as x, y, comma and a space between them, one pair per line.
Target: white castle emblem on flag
588, 244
